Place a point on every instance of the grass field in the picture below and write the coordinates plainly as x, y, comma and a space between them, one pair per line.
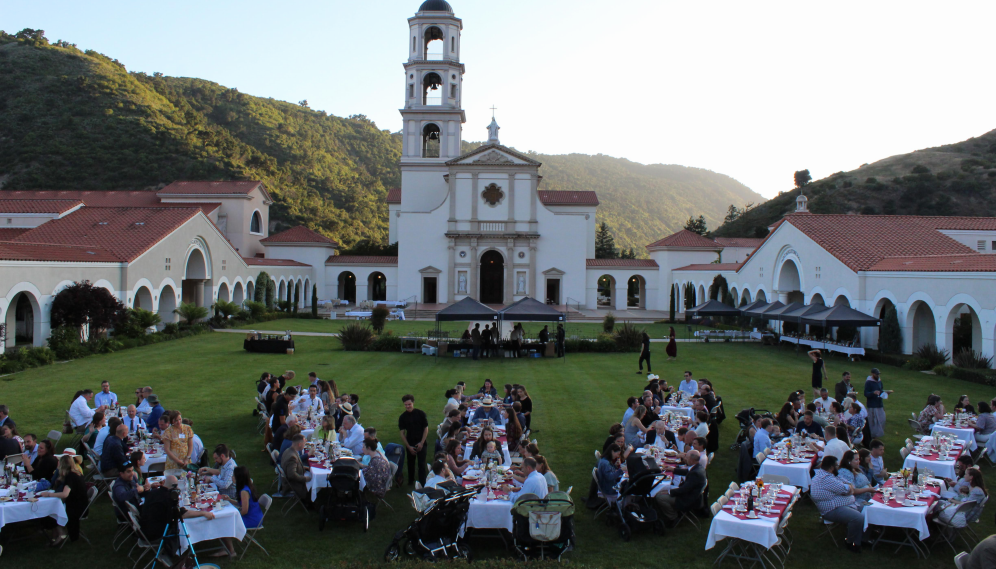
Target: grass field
211, 380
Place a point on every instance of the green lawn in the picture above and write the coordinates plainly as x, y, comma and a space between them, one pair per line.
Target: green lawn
211, 380
406, 327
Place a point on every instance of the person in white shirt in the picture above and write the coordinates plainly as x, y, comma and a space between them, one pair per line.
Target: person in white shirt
824, 401
144, 408
701, 424
300, 404
689, 385
834, 445
351, 435
440, 473
133, 421
698, 445
452, 402
685, 438
314, 402
80, 412
535, 483
105, 398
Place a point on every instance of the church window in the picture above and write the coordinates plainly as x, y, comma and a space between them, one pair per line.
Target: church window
453, 44
411, 90
434, 45
256, 223
414, 44
492, 194
453, 91
430, 141
431, 93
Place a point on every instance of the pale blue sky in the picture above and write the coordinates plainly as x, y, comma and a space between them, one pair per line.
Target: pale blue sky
754, 90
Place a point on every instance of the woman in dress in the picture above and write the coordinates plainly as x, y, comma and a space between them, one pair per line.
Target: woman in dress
513, 430
480, 445
247, 503
73, 493
672, 345
634, 427
851, 473
178, 442
819, 372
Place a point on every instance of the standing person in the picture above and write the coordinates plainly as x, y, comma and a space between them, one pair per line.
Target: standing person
819, 372
475, 340
544, 335
486, 341
526, 404
561, 340
672, 345
645, 354
178, 442
414, 427
875, 393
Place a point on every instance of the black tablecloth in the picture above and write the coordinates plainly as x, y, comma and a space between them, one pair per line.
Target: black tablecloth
268, 346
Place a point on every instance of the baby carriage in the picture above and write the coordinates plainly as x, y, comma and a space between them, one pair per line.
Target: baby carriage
634, 506
345, 501
543, 527
435, 534
746, 419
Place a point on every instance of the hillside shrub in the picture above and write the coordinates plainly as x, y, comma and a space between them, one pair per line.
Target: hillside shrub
356, 337
256, 309
24, 358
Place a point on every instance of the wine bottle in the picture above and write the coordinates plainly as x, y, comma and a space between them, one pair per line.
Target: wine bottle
750, 502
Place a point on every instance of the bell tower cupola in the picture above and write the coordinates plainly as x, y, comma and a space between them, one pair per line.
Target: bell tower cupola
433, 113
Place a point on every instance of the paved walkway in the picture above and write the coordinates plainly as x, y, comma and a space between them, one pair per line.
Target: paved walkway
319, 334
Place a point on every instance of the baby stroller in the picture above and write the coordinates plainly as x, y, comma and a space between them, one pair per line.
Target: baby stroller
746, 419
435, 534
345, 501
543, 527
634, 506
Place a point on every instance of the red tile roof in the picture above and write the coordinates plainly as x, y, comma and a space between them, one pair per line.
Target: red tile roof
109, 198
209, 188
124, 232
712, 267
739, 241
394, 195
8, 233
260, 261
686, 238
635, 263
361, 259
862, 241
552, 197
38, 206
299, 234
977, 262
46, 252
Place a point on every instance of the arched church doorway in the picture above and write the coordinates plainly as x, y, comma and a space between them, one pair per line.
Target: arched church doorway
492, 278
377, 286
193, 279
22, 316
606, 288
347, 286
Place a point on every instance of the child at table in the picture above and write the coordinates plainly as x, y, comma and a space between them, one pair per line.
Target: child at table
491, 454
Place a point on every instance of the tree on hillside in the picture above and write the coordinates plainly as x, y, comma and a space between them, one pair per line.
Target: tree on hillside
697, 225
732, 214
624, 254
605, 243
802, 178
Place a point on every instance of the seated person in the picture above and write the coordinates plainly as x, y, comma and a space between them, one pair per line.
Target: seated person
535, 482
491, 454
698, 445
113, 457
488, 389
878, 471
156, 515
248, 504
852, 473
454, 458
44, 465
223, 477
933, 412
296, 474
959, 484
377, 471
688, 495
834, 447
127, 489
762, 438
685, 438
664, 438
370, 433
701, 424
688, 385
351, 435
288, 438
808, 426
440, 473
835, 500
487, 435
609, 471
486, 411
811, 407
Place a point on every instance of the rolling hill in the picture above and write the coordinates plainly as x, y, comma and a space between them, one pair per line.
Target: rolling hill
72, 119
955, 179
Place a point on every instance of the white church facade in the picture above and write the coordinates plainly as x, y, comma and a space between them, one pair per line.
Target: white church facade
479, 225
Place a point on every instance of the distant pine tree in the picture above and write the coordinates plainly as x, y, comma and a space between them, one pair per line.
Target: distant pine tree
890, 335
605, 243
697, 225
671, 308
314, 301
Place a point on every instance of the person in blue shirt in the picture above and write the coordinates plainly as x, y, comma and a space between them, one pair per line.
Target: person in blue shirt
689, 385
105, 397
152, 421
486, 411
535, 482
609, 472
762, 438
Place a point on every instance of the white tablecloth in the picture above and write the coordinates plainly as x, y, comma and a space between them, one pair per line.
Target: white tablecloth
496, 514
504, 450
154, 463
797, 473
227, 522
882, 515
849, 350
320, 479
686, 411
12, 512
762, 531
941, 468
965, 435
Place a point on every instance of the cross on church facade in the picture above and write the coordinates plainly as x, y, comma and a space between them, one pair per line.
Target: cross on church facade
493, 109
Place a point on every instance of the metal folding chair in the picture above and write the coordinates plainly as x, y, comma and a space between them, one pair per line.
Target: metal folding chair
250, 538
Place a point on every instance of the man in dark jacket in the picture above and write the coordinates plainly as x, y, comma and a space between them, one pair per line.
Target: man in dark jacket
112, 456
561, 337
688, 495
843, 387
475, 340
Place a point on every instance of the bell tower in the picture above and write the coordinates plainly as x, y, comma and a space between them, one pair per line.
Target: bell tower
433, 114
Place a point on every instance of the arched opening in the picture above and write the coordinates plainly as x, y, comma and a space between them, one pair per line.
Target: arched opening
700, 297
434, 44
432, 89
964, 328
842, 301
923, 325
23, 320
606, 291
282, 291
817, 299
376, 286
143, 298
492, 277
238, 294
167, 304
734, 296
250, 290
256, 223
745, 298
790, 282
636, 292
762, 296
193, 280
306, 294
430, 141
223, 292
347, 287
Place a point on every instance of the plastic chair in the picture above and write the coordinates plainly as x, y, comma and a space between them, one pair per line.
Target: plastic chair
904, 452
55, 437
961, 560
265, 501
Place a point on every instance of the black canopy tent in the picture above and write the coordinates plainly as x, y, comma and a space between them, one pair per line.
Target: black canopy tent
798, 314
840, 316
758, 310
466, 309
779, 313
757, 304
713, 308
529, 309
